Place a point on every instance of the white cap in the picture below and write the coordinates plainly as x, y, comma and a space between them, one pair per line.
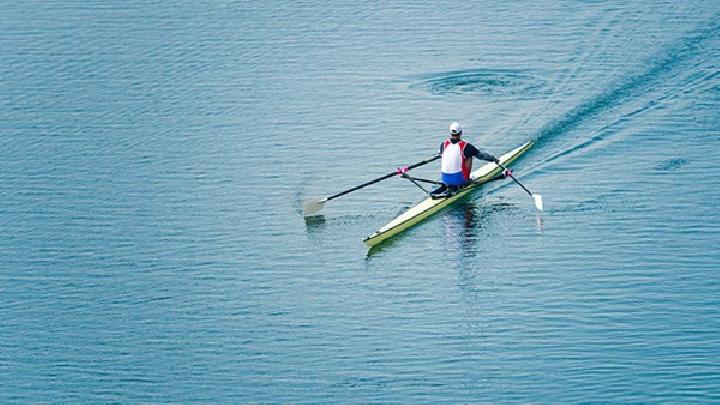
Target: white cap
456, 128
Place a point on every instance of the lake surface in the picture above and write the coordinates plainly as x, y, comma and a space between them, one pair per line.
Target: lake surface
155, 156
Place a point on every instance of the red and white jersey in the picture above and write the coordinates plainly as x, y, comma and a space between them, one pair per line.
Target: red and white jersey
455, 166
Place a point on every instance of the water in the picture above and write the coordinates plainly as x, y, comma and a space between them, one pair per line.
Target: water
155, 157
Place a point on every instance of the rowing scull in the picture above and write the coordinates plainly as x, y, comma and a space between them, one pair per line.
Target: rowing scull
430, 205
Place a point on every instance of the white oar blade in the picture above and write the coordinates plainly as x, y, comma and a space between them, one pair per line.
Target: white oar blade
538, 201
312, 207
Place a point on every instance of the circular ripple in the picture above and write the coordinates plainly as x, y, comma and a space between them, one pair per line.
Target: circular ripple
671, 164
495, 82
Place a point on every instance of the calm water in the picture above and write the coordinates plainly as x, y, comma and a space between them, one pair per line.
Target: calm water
154, 157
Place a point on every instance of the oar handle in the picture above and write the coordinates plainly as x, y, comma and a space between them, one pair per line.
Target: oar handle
373, 181
516, 180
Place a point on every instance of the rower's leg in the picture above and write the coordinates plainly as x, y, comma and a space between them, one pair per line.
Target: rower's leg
439, 190
452, 190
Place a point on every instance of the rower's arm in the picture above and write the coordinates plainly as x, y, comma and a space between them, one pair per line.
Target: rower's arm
471, 150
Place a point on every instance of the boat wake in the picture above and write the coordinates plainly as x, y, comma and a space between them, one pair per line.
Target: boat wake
637, 94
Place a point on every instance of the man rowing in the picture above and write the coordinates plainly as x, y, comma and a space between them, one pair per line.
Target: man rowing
456, 157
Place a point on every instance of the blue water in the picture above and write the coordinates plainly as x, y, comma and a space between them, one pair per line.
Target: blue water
155, 156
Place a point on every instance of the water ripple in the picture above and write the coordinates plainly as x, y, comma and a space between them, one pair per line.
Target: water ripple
671, 164
495, 82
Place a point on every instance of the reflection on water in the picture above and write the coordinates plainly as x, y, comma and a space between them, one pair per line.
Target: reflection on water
463, 226
315, 223
539, 222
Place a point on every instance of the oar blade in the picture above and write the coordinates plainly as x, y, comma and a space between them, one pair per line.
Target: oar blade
312, 207
538, 201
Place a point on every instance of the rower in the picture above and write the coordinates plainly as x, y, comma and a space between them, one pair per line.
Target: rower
456, 156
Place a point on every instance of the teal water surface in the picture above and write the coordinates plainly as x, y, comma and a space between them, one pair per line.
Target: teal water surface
155, 156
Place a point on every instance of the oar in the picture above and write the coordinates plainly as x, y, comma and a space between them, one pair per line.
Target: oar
311, 207
536, 197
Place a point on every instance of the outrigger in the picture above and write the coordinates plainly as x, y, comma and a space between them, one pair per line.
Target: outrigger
433, 203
